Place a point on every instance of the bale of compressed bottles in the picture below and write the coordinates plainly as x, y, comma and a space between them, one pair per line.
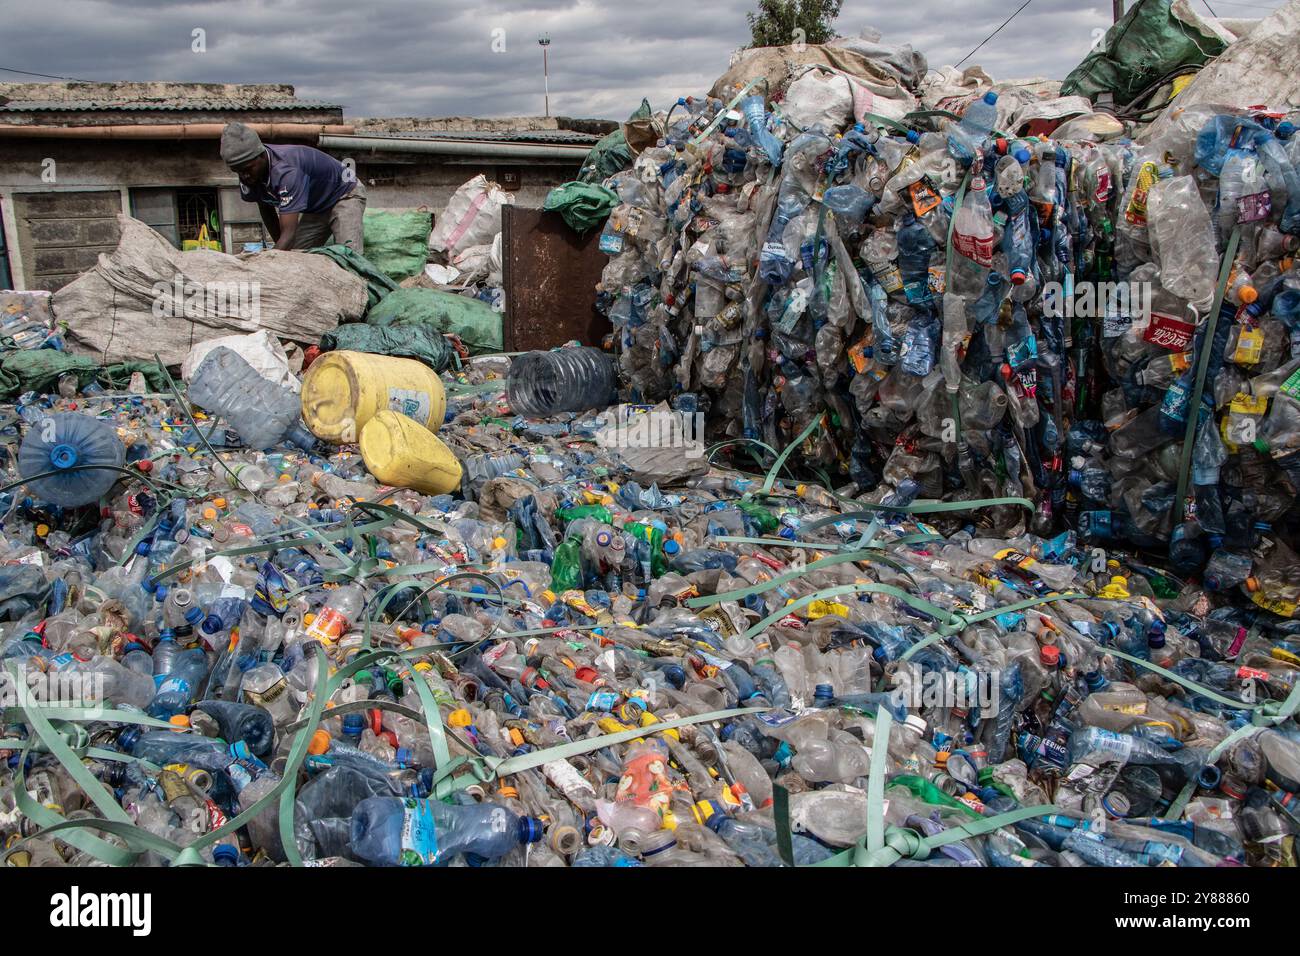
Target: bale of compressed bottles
1106, 330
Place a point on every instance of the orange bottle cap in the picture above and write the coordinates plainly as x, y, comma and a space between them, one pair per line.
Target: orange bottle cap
179, 720
320, 742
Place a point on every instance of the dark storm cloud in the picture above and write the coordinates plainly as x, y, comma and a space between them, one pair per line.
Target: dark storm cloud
435, 57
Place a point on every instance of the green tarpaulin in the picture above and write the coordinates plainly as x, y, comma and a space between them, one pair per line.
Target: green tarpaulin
378, 284
39, 370
612, 153
478, 325
1146, 45
405, 340
397, 243
583, 205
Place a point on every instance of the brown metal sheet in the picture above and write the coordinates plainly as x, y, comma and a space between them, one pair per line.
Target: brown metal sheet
550, 274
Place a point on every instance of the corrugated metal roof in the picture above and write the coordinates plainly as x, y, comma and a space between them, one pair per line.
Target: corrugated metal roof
173, 106
556, 136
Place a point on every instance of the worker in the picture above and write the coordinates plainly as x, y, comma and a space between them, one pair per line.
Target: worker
304, 195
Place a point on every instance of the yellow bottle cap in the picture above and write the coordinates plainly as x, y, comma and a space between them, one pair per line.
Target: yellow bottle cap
460, 718
219, 502
42, 530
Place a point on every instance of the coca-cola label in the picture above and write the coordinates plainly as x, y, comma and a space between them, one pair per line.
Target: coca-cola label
1169, 332
976, 248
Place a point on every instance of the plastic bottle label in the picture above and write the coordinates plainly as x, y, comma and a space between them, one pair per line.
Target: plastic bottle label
419, 835
978, 249
329, 625
1250, 346
1169, 332
1292, 385
414, 405
175, 685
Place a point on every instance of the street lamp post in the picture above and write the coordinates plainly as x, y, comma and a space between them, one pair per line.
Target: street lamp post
545, 41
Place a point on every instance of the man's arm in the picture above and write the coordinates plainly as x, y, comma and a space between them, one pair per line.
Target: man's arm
270, 220
288, 226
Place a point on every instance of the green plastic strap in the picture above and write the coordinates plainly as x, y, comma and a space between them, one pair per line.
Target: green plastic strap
58, 748
722, 114
879, 120
872, 588
916, 508
1185, 682
901, 843
964, 621
1263, 719
786, 452
131, 833
762, 587
437, 735
76, 836
876, 782
286, 790
1202, 367
781, 817
92, 714
336, 534
513, 765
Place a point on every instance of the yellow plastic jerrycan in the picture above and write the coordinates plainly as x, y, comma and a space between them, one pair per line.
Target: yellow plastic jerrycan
343, 390
399, 452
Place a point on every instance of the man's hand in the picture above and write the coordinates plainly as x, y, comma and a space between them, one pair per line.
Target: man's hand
288, 226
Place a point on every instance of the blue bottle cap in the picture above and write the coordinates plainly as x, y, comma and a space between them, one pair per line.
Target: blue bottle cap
194, 615
225, 855
990, 97
1022, 155
530, 829
913, 136
353, 725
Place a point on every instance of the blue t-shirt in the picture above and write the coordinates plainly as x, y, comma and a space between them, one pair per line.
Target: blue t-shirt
301, 179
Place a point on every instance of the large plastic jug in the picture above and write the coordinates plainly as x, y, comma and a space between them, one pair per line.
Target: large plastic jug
61, 447
343, 390
399, 452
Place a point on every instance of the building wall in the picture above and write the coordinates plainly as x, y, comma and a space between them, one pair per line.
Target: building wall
59, 197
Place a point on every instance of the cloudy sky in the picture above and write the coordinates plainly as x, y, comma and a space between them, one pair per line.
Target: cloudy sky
439, 57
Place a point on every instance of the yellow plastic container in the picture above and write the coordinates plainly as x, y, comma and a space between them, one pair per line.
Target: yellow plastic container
399, 452
342, 391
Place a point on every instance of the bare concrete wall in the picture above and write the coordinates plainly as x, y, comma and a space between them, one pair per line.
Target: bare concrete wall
61, 234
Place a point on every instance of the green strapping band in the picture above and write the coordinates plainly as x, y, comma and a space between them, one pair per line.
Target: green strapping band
787, 451
872, 588
875, 838
499, 767
1202, 367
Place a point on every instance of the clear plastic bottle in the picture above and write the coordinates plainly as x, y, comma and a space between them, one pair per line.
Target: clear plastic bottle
261, 412
563, 380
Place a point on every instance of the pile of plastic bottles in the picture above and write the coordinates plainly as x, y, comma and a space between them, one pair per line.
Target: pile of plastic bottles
260, 657
988, 315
